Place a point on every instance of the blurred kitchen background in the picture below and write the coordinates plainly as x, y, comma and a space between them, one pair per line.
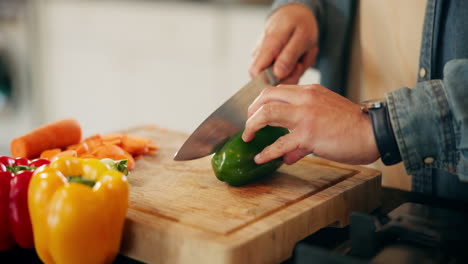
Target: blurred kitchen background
113, 64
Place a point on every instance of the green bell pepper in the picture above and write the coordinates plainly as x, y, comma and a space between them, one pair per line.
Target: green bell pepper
234, 161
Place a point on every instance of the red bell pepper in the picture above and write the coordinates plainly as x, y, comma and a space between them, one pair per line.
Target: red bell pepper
15, 222
6, 237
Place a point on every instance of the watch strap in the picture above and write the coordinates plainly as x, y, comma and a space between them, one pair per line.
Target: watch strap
384, 136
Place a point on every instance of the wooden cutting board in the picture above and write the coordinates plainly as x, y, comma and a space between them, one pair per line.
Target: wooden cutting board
179, 212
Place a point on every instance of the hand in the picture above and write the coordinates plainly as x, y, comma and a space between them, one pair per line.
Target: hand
320, 121
290, 40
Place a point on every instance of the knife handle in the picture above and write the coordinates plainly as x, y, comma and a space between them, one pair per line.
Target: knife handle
270, 76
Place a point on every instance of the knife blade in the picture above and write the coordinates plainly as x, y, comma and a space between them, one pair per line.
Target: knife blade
225, 121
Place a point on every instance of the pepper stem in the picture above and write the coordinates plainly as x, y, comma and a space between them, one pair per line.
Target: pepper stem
80, 179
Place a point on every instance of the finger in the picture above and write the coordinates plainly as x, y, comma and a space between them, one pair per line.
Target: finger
295, 76
254, 55
310, 58
280, 147
257, 46
293, 156
280, 94
269, 48
282, 115
290, 54
307, 60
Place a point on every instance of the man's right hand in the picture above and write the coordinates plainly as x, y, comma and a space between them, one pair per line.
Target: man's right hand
289, 40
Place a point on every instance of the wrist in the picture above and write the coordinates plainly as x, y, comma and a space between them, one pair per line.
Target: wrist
371, 153
384, 137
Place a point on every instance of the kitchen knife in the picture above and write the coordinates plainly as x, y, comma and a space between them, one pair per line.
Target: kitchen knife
227, 120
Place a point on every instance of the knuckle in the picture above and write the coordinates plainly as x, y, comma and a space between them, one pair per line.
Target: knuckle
250, 111
285, 58
270, 151
273, 51
272, 45
281, 142
270, 29
304, 35
310, 87
266, 111
267, 91
276, 149
309, 94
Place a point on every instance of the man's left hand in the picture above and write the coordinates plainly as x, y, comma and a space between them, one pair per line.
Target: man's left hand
320, 122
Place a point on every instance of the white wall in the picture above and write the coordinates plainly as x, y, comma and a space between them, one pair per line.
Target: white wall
15, 114
116, 64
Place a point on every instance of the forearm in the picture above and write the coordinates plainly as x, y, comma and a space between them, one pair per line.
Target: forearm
430, 122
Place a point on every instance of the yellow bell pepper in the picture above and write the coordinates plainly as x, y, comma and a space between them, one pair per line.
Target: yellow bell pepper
77, 209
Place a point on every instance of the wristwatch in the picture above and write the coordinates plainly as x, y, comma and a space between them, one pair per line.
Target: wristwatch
383, 132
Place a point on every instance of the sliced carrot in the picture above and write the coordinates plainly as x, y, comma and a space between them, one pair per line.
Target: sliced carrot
74, 146
114, 152
88, 156
113, 138
93, 137
66, 153
115, 146
152, 152
50, 153
82, 149
153, 147
135, 145
92, 145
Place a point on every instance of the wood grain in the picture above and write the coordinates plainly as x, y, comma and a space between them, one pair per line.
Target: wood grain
181, 213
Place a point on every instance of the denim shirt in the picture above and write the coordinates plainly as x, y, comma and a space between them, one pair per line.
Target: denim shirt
430, 121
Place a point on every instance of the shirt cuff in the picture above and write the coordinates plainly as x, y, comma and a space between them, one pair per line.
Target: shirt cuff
424, 127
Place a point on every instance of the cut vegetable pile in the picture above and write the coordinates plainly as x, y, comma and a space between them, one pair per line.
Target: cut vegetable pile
67, 197
62, 139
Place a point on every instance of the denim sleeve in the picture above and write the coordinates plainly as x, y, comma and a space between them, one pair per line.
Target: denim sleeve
430, 122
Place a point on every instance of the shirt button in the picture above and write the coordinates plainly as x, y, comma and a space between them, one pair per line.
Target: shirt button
428, 160
422, 72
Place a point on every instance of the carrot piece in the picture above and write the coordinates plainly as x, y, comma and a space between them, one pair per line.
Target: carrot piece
50, 153
114, 152
74, 146
59, 134
87, 156
113, 138
66, 153
93, 144
153, 147
135, 145
82, 149
93, 137
112, 142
